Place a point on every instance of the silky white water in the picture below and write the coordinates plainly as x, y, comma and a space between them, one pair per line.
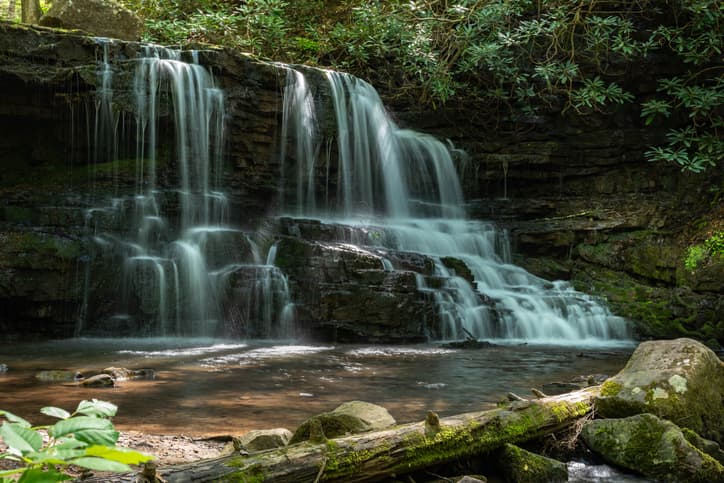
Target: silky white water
402, 188
178, 252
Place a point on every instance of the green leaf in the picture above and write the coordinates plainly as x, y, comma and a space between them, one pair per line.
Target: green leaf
69, 443
54, 455
79, 423
55, 412
15, 419
42, 476
14, 471
121, 455
20, 438
97, 408
100, 464
103, 437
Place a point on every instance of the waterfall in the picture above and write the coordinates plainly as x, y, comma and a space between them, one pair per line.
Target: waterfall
408, 182
179, 255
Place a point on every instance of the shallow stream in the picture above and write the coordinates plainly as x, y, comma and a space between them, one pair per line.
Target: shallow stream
211, 387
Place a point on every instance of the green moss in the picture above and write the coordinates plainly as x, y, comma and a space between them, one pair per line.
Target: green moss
504, 426
653, 447
610, 388
344, 464
522, 465
247, 473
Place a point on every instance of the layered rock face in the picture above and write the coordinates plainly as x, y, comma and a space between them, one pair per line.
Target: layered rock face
576, 194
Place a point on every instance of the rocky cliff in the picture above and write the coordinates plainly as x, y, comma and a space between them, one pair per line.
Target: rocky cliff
575, 192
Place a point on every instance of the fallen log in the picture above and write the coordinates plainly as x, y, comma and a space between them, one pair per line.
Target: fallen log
402, 449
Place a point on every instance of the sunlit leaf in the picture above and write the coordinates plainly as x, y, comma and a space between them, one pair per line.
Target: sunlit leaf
107, 437
20, 438
121, 455
97, 407
79, 423
55, 412
14, 419
100, 464
42, 476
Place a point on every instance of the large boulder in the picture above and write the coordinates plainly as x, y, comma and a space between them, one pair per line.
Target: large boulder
681, 380
349, 418
102, 18
651, 446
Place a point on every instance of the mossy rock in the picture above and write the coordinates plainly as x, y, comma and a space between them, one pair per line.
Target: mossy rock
349, 418
262, 439
519, 465
681, 380
654, 447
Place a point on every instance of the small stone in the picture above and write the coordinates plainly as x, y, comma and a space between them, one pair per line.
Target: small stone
3, 368
123, 374
101, 380
262, 439
56, 376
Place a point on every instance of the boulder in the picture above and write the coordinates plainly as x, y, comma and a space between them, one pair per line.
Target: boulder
261, 439
102, 18
681, 380
519, 465
651, 446
349, 418
101, 380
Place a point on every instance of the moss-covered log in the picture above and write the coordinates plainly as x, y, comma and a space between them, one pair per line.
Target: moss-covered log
402, 449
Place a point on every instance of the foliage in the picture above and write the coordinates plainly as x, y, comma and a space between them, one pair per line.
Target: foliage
520, 56
85, 438
697, 254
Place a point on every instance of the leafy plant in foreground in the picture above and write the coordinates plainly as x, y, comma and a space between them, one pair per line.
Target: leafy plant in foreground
85, 438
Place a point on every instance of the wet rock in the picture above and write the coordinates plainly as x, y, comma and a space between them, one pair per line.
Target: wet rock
349, 418
681, 380
100, 380
123, 374
58, 376
651, 446
707, 446
262, 439
469, 344
519, 465
3, 368
348, 293
102, 18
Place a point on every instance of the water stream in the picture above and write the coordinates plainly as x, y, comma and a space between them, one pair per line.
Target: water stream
206, 386
402, 187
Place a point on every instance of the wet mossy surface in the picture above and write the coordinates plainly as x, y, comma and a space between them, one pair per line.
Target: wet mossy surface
519, 465
680, 380
653, 447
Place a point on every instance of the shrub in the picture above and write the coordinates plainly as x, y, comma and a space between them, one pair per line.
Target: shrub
85, 438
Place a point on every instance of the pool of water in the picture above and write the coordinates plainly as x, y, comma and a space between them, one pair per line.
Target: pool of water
208, 387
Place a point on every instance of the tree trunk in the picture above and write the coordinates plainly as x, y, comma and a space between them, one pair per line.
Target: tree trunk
11, 10
30, 11
392, 452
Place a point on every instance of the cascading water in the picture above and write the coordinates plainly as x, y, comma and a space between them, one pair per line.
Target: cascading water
179, 253
408, 181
